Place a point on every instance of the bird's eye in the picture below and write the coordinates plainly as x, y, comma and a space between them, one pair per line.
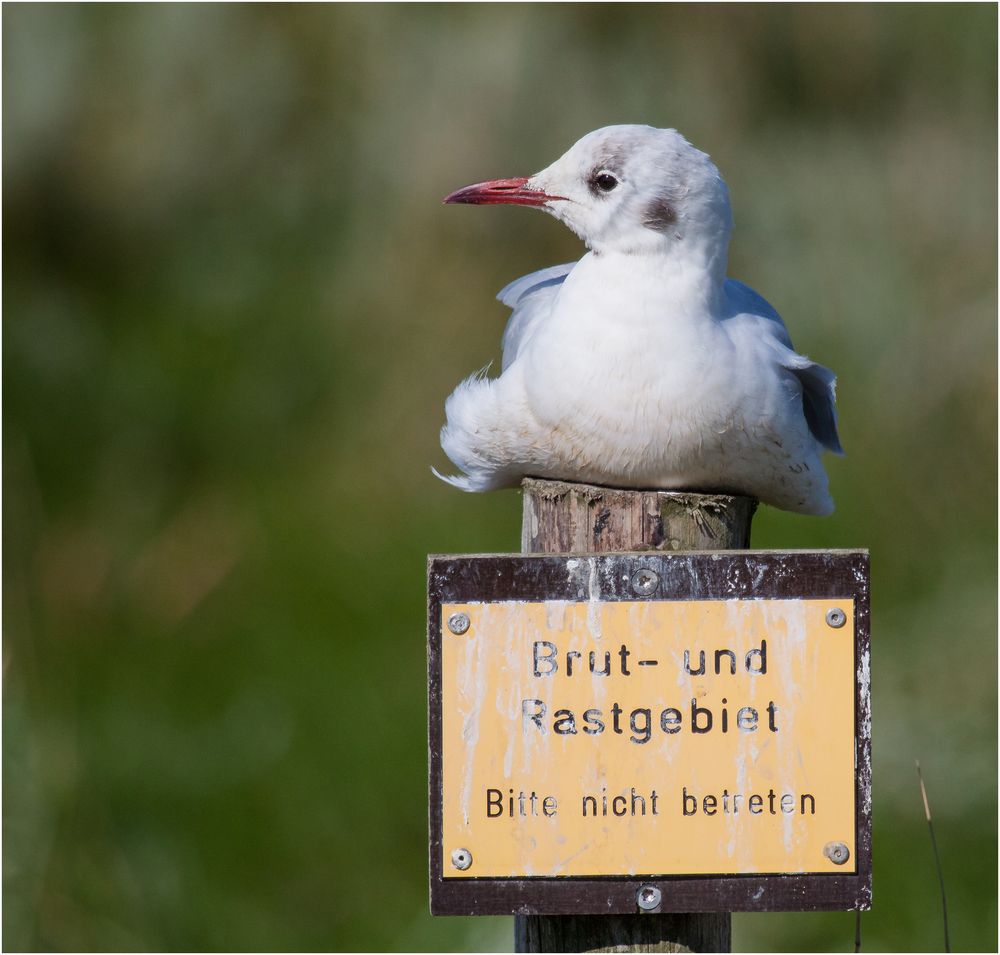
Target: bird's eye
605, 181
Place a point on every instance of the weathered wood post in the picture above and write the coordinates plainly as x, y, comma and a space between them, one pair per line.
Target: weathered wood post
578, 518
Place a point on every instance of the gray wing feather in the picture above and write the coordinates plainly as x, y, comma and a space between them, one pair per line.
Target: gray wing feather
744, 300
544, 278
531, 297
818, 401
818, 383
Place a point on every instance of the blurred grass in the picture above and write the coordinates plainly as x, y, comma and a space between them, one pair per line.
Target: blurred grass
233, 310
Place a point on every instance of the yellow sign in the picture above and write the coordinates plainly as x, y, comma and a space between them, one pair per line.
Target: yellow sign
649, 737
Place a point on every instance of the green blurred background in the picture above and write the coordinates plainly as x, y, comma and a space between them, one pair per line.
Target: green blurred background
234, 306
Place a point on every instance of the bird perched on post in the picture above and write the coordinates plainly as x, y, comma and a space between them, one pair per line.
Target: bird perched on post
642, 365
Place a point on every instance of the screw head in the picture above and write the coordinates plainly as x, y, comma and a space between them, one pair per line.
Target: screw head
836, 618
645, 581
648, 897
461, 859
837, 852
458, 623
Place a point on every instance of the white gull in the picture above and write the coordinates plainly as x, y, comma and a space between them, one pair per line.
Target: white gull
642, 365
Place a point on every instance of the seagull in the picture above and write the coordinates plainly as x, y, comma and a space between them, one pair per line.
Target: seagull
642, 365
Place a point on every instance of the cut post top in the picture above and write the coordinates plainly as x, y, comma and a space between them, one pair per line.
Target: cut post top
562, 517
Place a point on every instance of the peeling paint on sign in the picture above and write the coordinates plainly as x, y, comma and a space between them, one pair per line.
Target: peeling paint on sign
648, 737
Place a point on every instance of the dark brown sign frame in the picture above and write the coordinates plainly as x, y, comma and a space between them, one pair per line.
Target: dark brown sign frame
746, 575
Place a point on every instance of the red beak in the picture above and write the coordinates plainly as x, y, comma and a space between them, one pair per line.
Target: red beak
500, 191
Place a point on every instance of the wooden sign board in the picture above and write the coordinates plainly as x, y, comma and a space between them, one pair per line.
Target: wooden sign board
676, 732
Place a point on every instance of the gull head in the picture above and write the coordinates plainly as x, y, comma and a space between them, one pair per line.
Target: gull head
628, 189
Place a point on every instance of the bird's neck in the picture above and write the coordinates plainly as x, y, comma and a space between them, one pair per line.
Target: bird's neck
688, 277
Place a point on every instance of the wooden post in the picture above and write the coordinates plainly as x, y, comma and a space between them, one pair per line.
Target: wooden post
578, 518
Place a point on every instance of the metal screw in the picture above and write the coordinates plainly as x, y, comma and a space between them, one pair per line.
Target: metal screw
461, 859
837, 852
648, 897
836, 618
458, 623
645, 581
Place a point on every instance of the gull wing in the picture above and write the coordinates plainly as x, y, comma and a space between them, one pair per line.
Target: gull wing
817, 382
743, 300
531, 297
818, 399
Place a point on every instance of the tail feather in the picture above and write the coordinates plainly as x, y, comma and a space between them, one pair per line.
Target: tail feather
480, 437
462, 483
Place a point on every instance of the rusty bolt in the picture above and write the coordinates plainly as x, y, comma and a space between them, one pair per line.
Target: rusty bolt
458, 623
837, 852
